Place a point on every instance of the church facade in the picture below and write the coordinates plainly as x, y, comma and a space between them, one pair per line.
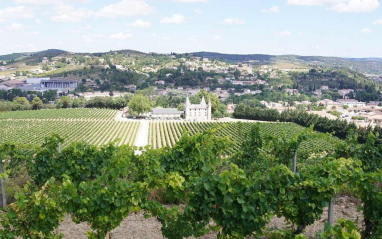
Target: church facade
200, 112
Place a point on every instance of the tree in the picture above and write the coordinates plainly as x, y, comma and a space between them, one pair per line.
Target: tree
120, 102
37, 103
180, 107
65, 102
21, 101
50, 95
237, 74
79, 102
139, 104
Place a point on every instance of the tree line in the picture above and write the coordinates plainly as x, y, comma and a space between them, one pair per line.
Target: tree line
338, 127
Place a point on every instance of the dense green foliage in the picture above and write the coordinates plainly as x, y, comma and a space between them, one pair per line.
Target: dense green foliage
367, 65
234, 196
339, 128
139, 104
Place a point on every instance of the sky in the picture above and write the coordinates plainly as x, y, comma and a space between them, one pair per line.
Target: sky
345, 28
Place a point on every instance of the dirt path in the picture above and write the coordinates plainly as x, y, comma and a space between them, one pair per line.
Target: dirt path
136, 227
142, 138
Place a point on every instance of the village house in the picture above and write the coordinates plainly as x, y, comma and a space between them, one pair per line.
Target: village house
344, 92
243, 82
351, 102
14, 83
376, 119
329, 104
161, 91
324, 87
373, 103
4, 87
292, 91
131, 87
231, 108
45, 60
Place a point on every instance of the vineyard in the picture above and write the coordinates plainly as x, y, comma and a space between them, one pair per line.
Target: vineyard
192, 188
93, 126
80, 113
168, 133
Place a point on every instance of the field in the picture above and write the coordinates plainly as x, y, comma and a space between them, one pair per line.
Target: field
91, 125
98, 127
163, 134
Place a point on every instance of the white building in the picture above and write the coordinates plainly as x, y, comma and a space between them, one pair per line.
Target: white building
344, 92
324, 87
166, 113
37, 80
351, 103
201, 112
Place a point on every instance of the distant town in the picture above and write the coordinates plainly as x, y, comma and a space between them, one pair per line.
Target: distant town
74, 75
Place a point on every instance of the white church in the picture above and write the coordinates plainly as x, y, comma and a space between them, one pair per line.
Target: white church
201, 112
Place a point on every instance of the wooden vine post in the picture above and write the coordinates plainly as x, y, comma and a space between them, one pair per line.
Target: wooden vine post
4, 199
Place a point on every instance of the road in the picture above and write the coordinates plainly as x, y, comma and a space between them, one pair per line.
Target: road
142, 138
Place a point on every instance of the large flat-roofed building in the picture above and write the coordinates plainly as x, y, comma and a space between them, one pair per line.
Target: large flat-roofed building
36, 80
59, 84
166, 113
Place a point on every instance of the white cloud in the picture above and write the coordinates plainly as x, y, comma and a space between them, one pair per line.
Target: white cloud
34, 2
217, 37
233, 21
366, 30
166, 38
283, 33
16, 27
140, 24
190, 0
120, 36
198, 11
341, 5
274, 9
125, 8
91, 38
316, 47
46, 2
192, 39
78, 29
174, 19
67, 13
34, 33
15, 13
378, 21
37, 21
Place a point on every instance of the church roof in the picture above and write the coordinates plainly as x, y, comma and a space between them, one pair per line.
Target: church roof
203, 102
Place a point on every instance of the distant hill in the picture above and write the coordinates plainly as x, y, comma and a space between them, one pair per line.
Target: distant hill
24, 55
13, 56
363, 65
234, 57
49, 53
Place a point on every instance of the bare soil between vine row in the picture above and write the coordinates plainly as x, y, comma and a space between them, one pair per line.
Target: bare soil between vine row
137, 227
